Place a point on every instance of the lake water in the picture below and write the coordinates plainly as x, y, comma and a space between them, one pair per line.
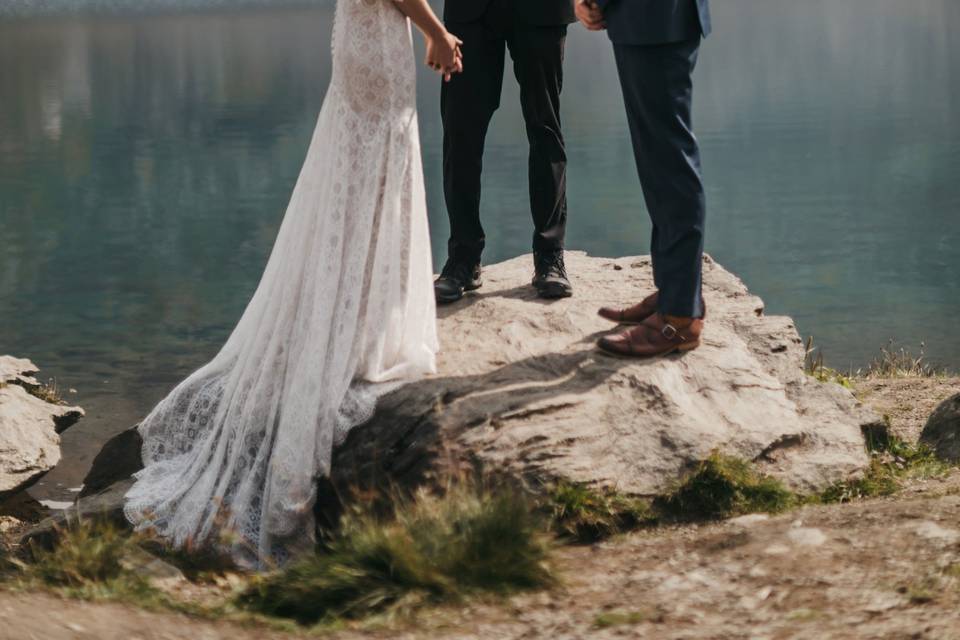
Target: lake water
145, 163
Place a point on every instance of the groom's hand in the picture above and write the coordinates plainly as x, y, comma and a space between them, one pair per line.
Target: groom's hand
590, 14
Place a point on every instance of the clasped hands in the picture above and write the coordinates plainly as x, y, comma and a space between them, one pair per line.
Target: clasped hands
446, 58
590, 15
444, 55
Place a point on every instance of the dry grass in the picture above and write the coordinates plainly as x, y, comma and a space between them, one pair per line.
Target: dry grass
432, 549
892, 362
48, 391
900, 363
87, 560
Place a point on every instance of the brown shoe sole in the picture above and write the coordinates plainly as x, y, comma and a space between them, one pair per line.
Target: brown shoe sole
626, 323
680, 348
631, 323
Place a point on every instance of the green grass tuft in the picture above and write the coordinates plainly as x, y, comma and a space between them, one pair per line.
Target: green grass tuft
84, 552
914, 461
87, 561
433, 549
878, 480
722, 487
582, 514
924, 590
892, 461
952, 570
814, 367
618, 618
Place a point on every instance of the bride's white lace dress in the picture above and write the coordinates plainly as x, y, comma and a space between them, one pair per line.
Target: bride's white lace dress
346, 300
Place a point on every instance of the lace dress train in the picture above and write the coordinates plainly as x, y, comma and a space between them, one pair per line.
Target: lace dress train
345, 307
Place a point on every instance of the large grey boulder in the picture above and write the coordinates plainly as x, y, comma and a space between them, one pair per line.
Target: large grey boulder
29, 427
522, 391
942, 431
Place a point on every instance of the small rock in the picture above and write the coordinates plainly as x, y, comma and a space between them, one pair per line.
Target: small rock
229, 581
806, 536
29, 437
8, 523
932, 531
749, 519
883, 602
754, 601
777, 550
942, 431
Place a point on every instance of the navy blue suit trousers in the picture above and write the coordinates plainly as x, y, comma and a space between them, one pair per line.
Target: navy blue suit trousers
656, 44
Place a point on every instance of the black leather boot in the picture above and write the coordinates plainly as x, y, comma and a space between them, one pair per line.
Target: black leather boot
550, 279
457, 276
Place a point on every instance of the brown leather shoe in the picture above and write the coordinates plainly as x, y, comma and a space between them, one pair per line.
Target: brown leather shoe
659, 335
632, 315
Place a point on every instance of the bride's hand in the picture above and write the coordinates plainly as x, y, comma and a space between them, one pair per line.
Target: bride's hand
443, 48
444, 55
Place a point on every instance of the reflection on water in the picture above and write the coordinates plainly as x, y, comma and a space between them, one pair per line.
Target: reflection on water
145, 163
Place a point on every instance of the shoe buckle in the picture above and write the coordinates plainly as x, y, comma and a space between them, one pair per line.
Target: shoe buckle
669, 331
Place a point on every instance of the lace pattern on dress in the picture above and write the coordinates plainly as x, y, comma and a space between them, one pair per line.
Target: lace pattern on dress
343, 312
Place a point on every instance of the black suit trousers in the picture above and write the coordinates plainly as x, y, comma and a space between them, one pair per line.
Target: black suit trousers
657, 89
467, 104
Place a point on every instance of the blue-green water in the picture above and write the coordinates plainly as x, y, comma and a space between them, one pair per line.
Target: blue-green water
145, 163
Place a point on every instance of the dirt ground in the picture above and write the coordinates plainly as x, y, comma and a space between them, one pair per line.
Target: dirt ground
883, 568
908, 401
